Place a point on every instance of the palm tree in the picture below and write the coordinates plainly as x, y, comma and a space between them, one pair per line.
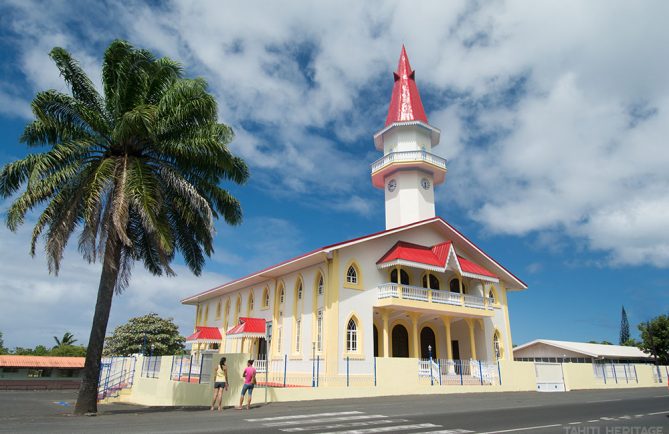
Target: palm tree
67, 339
138, 170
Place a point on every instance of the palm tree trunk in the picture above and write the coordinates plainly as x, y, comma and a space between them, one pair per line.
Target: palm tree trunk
87, 401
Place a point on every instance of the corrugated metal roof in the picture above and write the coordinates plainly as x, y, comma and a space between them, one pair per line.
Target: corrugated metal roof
11, 361
592, 350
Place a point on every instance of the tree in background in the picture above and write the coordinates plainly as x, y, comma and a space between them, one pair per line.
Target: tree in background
655, 338
66, 340
3, 350
624, 329
148, 334
600, 343
68, 351
137, 169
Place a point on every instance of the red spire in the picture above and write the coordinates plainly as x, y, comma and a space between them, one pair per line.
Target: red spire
405, 104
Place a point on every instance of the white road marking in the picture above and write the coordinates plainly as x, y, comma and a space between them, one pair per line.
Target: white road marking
625, 417
593, 420
446, 431
343, 425
521, 429
660, 396
604, 400
658, 412
302, 416
386, 429
607, 418
574, 423
325, 420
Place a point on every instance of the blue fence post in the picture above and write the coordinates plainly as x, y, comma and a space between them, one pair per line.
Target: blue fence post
615, 374
285, 367
347, 371
199, 380
374, 371
318, 365
625, 369
635, 376
107, 380
181, 364
604, 372
499, 373
172, 368
190, 367
481, 372
313, 372
461, 381
122, 368
439, 367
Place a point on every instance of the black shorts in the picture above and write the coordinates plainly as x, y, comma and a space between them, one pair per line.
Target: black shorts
219, 385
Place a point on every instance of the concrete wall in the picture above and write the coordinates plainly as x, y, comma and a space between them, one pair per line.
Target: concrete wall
578, 376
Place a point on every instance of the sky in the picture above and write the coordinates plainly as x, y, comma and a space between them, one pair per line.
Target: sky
554, 119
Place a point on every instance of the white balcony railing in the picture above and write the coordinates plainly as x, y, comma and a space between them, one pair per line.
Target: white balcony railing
394, 157
416, 293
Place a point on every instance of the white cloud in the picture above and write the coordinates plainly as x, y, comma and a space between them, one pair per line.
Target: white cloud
554, 113
37, 306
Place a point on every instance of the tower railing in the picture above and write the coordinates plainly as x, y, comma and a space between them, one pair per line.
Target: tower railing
404, 156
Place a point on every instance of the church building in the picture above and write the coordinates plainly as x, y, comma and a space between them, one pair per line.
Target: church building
417, 289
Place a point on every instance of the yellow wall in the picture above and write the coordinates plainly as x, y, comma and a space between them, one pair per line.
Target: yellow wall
579, 376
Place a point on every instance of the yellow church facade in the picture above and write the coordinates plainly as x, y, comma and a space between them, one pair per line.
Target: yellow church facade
418, 289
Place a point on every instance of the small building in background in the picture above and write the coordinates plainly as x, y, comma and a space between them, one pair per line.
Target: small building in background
40, 372
544, 350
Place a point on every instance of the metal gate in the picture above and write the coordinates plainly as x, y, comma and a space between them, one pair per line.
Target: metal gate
549, 377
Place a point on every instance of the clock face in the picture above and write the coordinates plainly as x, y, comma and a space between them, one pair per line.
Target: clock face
425, 183
392, 185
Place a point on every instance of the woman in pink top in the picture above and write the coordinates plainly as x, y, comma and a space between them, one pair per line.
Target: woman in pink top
249, 376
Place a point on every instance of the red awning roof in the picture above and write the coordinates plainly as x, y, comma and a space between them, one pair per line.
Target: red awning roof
434, 257
469, 267
248, 328
41, 362
205, 335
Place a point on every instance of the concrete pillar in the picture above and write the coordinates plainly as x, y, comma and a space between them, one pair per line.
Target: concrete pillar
385, 333
472, 340
415, 348
449, 345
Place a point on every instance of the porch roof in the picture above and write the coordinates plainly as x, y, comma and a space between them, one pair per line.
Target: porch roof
205, 335
433, 258
248, 328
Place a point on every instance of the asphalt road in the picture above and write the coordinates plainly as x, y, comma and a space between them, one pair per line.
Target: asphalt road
632, 411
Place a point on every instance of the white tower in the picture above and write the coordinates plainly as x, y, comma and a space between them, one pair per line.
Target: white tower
408, 171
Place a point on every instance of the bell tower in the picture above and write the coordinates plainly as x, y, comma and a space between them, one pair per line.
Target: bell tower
408, 171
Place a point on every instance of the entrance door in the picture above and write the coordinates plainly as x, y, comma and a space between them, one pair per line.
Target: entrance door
455, 347
427, 339
262, 349
400, 341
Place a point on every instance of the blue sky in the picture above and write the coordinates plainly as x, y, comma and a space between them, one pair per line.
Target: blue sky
554, 119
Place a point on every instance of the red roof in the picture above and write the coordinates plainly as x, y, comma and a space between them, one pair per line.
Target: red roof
41, 362
205, 335
436, 255
405, 103
248, 328
411, 252
469, 267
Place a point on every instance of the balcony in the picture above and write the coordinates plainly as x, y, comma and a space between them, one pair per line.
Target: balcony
408, 159
433, 299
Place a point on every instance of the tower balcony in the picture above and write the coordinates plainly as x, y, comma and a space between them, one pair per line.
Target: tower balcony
408, 160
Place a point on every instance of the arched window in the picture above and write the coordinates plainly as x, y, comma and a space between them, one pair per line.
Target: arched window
432, 280
281, 295
454, 286
404, 276
206, 313
238, 307
320, 284
251, 302
351, 336
198, 315
352, 275
491, 295
298, 334
218, 309
226, 314
497, 345
265, 297
299, 291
